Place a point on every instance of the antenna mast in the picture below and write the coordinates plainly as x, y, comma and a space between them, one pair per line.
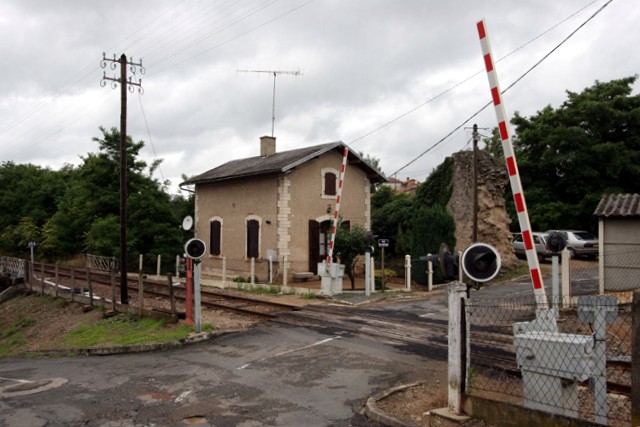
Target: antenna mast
273, 103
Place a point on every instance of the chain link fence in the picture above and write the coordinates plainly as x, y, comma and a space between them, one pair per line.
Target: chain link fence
582, 369
102, 263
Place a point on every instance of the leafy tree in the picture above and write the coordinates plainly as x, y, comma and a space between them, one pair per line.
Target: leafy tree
437, 189
28, 196
392, 220
88, 213
350, 242
569, 156
432, 226
493, 144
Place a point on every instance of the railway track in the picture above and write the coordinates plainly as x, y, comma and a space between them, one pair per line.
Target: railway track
489, 348
105, 285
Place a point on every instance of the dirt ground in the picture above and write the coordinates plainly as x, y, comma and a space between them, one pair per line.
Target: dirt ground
48, 324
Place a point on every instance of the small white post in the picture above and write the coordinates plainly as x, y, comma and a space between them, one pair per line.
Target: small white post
556, 297
224, 271
177, 267
285, 269
140, 286
407, 272
367, 273
457, 292
372, 276
270, 270
196, 296
158, 265
253, 271
566, 296
429, 275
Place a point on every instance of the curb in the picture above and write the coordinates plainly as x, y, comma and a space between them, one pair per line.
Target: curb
128, 349
374, 413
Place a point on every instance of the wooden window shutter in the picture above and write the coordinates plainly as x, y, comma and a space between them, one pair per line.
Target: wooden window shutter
215, 238
330, 184
253, 238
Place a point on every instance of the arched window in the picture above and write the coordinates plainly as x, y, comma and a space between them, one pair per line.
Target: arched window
215, 236
329, 183
253, 238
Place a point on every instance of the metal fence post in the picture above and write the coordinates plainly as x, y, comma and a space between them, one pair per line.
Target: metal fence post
635, 356
457, 345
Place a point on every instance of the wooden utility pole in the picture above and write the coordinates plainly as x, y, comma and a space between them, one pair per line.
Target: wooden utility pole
124, 86
475, 183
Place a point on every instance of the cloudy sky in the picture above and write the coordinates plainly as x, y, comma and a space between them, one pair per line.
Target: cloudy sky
391, 78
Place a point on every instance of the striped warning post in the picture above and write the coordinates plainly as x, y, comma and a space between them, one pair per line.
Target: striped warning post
512, 167
336, 214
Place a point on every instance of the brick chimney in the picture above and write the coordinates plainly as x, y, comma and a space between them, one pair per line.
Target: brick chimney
267, 145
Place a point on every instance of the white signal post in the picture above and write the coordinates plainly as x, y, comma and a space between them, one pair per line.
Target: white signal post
512, 167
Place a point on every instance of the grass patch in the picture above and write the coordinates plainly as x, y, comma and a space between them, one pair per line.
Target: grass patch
12, 337
308, 295
259, 289
124, 329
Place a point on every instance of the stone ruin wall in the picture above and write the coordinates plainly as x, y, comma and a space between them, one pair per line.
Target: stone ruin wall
493, 221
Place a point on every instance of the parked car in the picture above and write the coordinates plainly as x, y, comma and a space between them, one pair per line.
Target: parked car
539, 242
580, 243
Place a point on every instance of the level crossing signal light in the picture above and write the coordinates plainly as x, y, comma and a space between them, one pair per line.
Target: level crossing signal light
555, 242
447, 262
480, 262
195, 249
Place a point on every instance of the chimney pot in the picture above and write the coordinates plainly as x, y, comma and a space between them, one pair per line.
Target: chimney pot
267, 145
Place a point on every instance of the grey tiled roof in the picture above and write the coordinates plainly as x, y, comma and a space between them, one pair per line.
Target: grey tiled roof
618, 205
279, 162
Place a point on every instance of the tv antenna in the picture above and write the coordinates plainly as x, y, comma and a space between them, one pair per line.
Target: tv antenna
273, 102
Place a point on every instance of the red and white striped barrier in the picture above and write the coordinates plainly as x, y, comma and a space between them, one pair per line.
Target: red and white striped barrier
336, 213
512, 167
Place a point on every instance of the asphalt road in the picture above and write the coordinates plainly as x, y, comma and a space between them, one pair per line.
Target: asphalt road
269, 375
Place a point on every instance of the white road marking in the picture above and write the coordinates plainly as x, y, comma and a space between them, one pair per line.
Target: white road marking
431, 313
16, 380
183, 396
290, 351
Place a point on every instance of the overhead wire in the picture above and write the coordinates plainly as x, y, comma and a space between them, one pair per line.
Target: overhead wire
54, 125
535, 65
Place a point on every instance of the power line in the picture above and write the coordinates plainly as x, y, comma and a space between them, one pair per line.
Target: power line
249, 10
153, 148
508, 87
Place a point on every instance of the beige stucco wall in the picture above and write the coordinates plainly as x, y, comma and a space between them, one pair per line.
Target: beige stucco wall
308, 202
235, 202
283, 204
